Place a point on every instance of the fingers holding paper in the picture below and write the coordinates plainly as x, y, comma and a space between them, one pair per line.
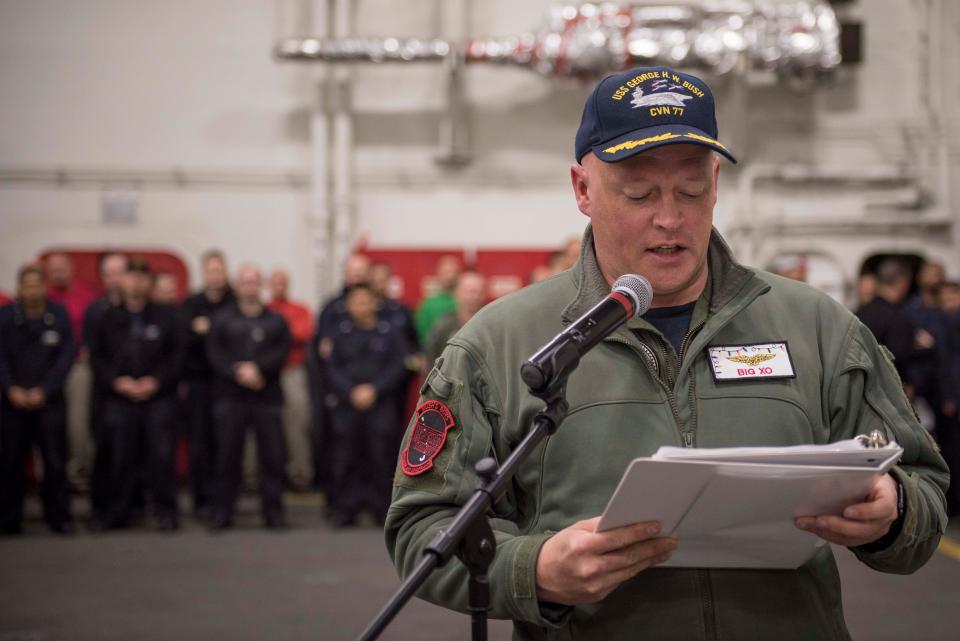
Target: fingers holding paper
860, 523
580, 565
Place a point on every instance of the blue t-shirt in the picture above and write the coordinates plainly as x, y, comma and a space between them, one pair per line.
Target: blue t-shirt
673, 322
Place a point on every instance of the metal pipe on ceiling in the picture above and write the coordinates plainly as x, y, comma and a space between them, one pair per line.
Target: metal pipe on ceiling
792, 38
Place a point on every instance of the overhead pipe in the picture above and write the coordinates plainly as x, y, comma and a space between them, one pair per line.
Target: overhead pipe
173, 178
796, 39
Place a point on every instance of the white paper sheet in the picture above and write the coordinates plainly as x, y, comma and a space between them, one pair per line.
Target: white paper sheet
850, 453
735, 507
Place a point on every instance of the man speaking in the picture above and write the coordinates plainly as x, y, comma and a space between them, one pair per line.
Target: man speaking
646, 176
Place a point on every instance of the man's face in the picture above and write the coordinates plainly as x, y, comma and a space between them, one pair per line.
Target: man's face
652, 216
279, 283
380, 275
32, 288
136, 285
571, 253
247, 284
866, 288
448, 271
361, 305
950, 298
214, 274
902, 288
931, 276
357, 270
111, 272
165, 289
470, 294
59, 270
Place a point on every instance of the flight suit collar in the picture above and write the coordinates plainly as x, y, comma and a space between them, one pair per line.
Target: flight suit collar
726, 279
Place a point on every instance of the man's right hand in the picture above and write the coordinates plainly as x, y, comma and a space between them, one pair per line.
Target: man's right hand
125, 386
200, 325
325, 348
145, 388
248, 375
19, 397
363, 396
580, 565
36, 398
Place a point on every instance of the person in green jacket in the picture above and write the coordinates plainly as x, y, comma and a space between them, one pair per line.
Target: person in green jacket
440, 303
646, 176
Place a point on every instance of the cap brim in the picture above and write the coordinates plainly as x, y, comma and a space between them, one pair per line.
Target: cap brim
641, 140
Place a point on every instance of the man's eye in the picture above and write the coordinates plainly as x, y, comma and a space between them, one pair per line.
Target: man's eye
638, 198
691, 194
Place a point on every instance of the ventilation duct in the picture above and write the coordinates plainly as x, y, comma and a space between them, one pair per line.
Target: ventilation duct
791, 38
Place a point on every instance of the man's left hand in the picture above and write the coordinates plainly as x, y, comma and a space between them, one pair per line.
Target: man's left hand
248, 375
861, 523
36, 398
147, 388
362, 397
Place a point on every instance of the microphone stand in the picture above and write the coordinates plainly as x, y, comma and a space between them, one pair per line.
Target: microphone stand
469, 535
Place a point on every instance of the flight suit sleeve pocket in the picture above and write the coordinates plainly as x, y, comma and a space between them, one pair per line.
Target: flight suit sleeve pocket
437, 383
428, 453
882, 391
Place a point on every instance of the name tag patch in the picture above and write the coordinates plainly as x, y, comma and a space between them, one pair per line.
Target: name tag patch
751, 362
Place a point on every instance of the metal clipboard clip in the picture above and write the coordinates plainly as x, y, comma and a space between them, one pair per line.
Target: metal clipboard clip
875, 439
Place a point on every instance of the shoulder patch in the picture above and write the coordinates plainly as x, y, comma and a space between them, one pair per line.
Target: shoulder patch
434, 419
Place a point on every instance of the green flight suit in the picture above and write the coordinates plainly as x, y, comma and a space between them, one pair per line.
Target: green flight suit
631, 395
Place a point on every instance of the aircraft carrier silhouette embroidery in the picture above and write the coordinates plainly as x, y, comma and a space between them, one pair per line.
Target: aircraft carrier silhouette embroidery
659, 98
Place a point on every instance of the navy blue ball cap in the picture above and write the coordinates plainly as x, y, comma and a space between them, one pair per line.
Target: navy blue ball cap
634, 111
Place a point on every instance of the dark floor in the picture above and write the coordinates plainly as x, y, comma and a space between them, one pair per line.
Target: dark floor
315, 583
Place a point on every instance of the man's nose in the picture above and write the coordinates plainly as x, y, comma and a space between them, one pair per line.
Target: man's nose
668, 215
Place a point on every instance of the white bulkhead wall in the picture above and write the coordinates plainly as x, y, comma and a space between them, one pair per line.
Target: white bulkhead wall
181, 106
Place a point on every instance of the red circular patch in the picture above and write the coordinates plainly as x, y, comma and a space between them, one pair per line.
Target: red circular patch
434, 420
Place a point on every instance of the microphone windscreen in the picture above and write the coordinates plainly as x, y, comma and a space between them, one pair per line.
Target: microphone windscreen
638, 289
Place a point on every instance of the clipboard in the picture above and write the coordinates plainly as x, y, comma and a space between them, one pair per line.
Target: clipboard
734, 507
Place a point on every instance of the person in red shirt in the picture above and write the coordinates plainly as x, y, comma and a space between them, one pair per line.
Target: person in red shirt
293, 380
4, 299
61, 288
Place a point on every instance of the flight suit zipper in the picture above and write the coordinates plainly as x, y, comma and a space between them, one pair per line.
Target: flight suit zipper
691, 388
668, 382
686, 339
703, 576
649, 358
706, 591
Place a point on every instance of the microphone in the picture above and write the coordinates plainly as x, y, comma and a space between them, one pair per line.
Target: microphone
630, 297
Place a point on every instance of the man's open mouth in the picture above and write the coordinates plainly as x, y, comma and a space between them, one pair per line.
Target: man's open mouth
666, 250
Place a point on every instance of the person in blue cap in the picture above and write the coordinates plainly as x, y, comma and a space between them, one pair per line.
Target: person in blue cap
646, 175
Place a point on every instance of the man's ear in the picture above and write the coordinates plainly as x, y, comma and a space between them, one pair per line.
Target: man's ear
716, 177
578, 179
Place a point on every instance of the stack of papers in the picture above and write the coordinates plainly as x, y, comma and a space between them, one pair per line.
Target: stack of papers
734, 507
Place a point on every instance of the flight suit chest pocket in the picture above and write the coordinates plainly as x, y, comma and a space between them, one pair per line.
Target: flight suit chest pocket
754, 413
